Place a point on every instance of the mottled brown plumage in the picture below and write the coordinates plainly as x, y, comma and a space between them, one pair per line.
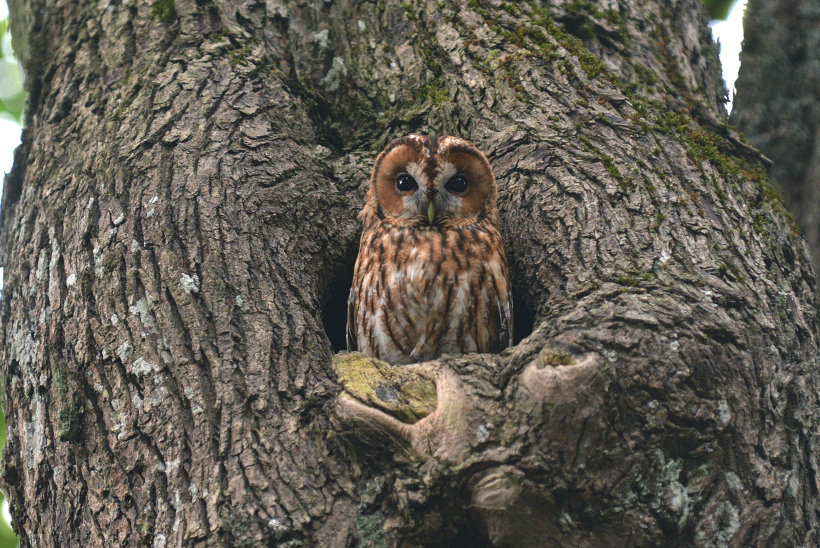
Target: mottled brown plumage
431, 277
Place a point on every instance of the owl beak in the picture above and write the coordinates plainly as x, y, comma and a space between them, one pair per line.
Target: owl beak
431, 212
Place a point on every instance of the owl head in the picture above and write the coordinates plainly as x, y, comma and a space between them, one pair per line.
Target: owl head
430, 181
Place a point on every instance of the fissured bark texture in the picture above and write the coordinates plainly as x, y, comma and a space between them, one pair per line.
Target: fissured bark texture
179, 230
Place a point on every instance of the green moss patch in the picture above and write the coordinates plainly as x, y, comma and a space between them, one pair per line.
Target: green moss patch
403, 393
550, 356
164, 10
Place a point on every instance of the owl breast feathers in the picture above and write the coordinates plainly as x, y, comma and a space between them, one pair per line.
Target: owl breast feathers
431, 277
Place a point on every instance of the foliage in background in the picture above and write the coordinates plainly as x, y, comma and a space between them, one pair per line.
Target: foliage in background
7, 537
718, 9
11, 78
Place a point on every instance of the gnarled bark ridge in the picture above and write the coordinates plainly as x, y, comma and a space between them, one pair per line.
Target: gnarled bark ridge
180, 223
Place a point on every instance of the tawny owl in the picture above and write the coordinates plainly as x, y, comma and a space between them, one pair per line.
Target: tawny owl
431, 277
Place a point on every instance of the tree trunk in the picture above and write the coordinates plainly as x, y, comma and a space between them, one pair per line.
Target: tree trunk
178, 235
778, 102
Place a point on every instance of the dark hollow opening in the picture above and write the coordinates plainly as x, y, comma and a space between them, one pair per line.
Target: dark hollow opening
523, 315
334, 313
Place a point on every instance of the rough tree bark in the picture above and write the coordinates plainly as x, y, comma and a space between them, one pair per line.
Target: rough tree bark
178, 234
778, 102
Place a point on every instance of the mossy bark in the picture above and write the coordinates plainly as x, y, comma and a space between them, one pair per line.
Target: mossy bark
178, 235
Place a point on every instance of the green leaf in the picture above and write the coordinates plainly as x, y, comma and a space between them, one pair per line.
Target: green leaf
718, 9
12, 97
7, 537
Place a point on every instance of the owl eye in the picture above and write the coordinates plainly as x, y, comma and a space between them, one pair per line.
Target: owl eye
405, 183
457, 184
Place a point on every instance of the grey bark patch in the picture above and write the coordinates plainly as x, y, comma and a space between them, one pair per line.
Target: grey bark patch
335, 75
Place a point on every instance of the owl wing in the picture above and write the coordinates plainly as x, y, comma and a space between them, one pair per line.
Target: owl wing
350, 332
